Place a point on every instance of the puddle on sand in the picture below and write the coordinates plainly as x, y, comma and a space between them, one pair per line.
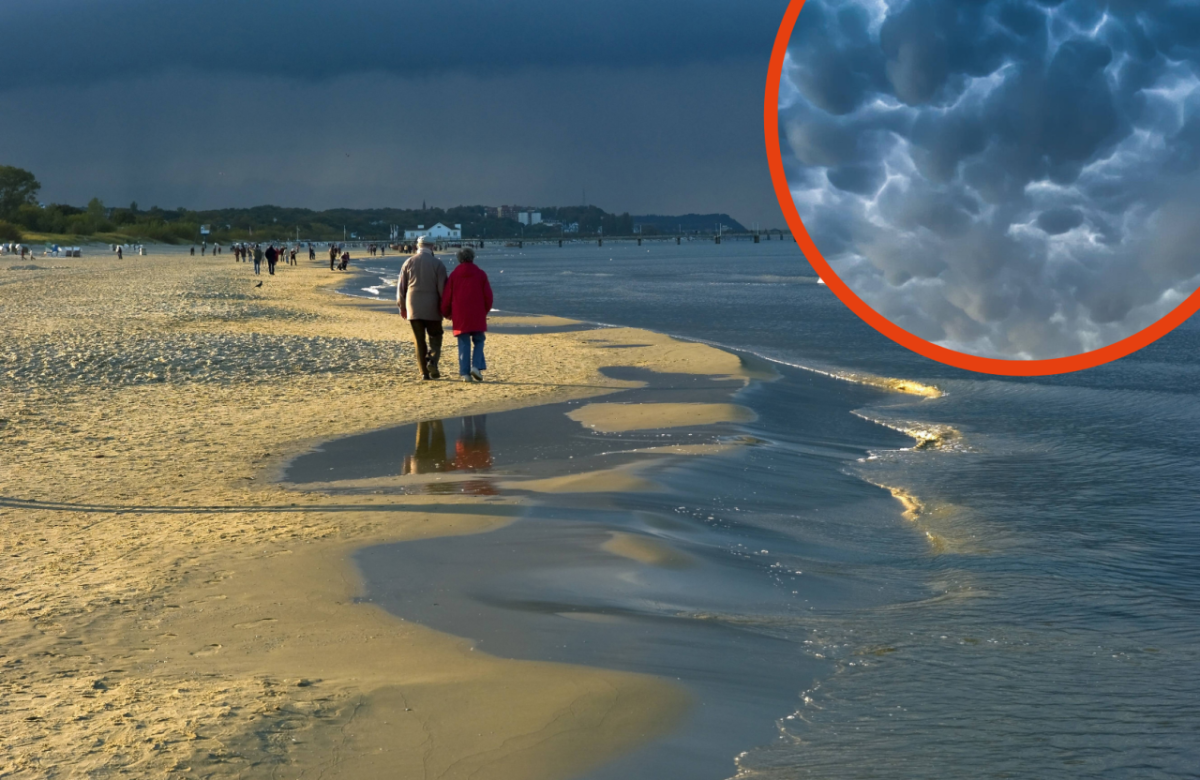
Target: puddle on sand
473, 454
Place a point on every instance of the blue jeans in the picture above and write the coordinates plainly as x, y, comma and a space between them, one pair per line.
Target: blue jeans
465, 359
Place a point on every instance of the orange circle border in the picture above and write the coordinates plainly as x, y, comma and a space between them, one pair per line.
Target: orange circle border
950, 357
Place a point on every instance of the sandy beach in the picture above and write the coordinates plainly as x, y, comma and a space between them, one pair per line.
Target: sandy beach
171, 609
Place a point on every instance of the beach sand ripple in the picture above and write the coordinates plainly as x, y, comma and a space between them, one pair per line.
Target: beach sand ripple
192, 357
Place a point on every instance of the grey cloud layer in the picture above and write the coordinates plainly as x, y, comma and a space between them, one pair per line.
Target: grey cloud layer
204, 103
314, 39
1010, 178
192, 140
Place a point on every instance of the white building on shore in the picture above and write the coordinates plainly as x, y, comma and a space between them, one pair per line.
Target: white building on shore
439, 231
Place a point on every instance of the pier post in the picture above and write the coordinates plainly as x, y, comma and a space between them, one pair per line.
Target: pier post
677, 240
639, 242
756, 238
560, 243
599, 242
716, 239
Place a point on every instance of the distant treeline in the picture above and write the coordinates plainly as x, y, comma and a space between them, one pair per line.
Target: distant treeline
19, 210
687, 223
271, 222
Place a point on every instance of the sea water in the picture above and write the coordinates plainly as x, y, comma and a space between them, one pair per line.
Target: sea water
1035, 606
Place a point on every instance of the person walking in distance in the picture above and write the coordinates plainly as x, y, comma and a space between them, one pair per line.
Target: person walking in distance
466, 302
419, 296
258, 256
272, 257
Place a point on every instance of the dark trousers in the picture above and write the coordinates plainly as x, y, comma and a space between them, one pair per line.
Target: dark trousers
427, 356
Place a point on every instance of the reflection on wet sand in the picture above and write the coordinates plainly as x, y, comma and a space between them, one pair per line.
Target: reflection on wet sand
429, 452
472, 453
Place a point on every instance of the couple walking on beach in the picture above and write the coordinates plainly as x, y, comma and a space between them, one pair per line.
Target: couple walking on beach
426, 295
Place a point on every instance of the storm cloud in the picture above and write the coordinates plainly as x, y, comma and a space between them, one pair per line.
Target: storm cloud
316, 39
1008, 178
652, 107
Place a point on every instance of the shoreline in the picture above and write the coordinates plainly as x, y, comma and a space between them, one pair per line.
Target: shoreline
899, 385
573, 578
114, 660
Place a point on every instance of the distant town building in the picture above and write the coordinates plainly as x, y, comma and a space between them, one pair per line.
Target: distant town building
436, 231
571, 227
529, 217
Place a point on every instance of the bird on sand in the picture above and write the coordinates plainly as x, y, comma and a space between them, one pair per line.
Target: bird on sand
258, 285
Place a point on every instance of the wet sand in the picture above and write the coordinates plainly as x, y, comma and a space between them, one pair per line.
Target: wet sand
601, 568
615, 418
170, 609
512, 590
524, 324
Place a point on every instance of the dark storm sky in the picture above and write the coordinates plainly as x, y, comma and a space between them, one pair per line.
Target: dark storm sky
652, 105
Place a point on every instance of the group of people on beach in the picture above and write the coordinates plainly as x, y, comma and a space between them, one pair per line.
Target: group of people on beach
119, 250
336, 262
216, 249
53, 250
272, 254
426, 295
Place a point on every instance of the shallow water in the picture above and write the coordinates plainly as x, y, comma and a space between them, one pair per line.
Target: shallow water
699, 580
1040, 614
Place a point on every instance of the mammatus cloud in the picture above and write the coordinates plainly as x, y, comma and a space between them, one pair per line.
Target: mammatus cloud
1008, 178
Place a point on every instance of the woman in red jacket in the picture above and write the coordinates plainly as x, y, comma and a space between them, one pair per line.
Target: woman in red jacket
466, 301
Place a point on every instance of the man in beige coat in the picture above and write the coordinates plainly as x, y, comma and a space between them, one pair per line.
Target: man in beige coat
419, 296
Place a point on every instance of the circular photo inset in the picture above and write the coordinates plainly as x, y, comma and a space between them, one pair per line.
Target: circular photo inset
1003, 185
